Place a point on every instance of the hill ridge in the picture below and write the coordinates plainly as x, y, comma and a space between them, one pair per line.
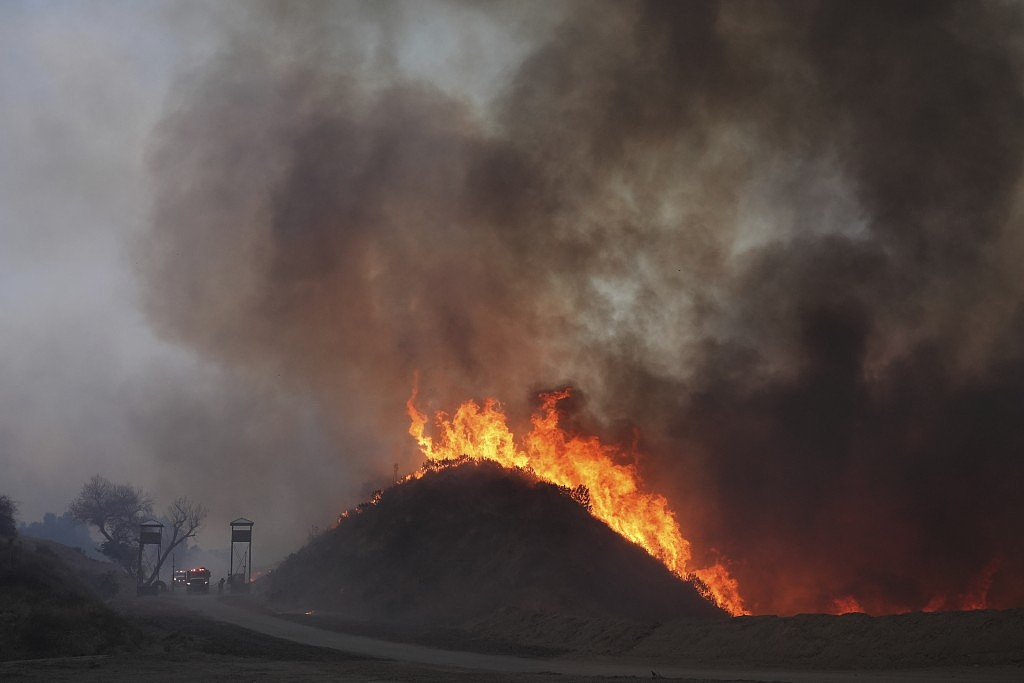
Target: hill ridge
462, 542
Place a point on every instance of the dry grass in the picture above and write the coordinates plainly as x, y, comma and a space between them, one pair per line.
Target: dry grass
48, 610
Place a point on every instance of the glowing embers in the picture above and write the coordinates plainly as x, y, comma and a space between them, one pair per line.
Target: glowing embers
615, 495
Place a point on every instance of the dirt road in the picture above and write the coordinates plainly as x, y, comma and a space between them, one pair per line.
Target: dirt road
228, 610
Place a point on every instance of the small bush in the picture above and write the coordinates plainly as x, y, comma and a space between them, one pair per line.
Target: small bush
581, 494
106, 585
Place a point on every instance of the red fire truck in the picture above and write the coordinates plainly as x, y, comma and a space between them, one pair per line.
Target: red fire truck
197, 580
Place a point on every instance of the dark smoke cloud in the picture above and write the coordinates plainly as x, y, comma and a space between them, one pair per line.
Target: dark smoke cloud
777, 237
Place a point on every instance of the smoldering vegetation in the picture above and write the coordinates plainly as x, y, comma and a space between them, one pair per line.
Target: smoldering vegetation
779, 241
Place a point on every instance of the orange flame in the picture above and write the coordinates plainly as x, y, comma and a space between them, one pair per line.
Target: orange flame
846, 604
481, 433
977, 594
975, 597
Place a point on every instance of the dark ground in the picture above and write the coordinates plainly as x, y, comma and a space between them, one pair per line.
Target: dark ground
63, 617
178, 643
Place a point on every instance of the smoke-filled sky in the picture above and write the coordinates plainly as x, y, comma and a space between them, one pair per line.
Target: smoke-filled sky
780, 242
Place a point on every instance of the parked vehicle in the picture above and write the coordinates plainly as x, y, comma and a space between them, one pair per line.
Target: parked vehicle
198, 580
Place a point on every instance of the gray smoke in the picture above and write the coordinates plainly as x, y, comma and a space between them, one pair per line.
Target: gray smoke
776, 238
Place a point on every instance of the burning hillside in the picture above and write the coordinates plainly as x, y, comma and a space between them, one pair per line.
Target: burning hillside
781, 240
612, 488
463, 542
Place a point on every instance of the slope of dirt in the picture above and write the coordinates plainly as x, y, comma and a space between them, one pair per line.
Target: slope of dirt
49, 609
466, 542
850, 641
106, 578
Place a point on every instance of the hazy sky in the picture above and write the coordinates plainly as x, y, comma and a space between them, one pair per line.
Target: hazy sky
778, 243
81, 85
86, 386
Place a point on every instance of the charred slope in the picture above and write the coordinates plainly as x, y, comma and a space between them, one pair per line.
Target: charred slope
464, 542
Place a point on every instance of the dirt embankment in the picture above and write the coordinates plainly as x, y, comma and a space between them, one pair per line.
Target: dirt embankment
850, 641
803, 642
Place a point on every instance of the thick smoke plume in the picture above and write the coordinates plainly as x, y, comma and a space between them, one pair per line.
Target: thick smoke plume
780, 240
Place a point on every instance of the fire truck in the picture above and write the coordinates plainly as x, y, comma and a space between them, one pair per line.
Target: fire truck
197, 580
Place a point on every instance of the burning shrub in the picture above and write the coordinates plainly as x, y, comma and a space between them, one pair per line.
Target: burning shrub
581, 494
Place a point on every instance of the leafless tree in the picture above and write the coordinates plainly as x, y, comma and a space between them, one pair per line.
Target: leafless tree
116, 510
183, 520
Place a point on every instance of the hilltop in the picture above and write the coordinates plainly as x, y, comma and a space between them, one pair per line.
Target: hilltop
464, 543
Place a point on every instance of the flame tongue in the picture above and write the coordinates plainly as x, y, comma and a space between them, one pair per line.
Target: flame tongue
481, 433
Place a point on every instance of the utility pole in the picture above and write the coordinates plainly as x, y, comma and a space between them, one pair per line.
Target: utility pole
395, 479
